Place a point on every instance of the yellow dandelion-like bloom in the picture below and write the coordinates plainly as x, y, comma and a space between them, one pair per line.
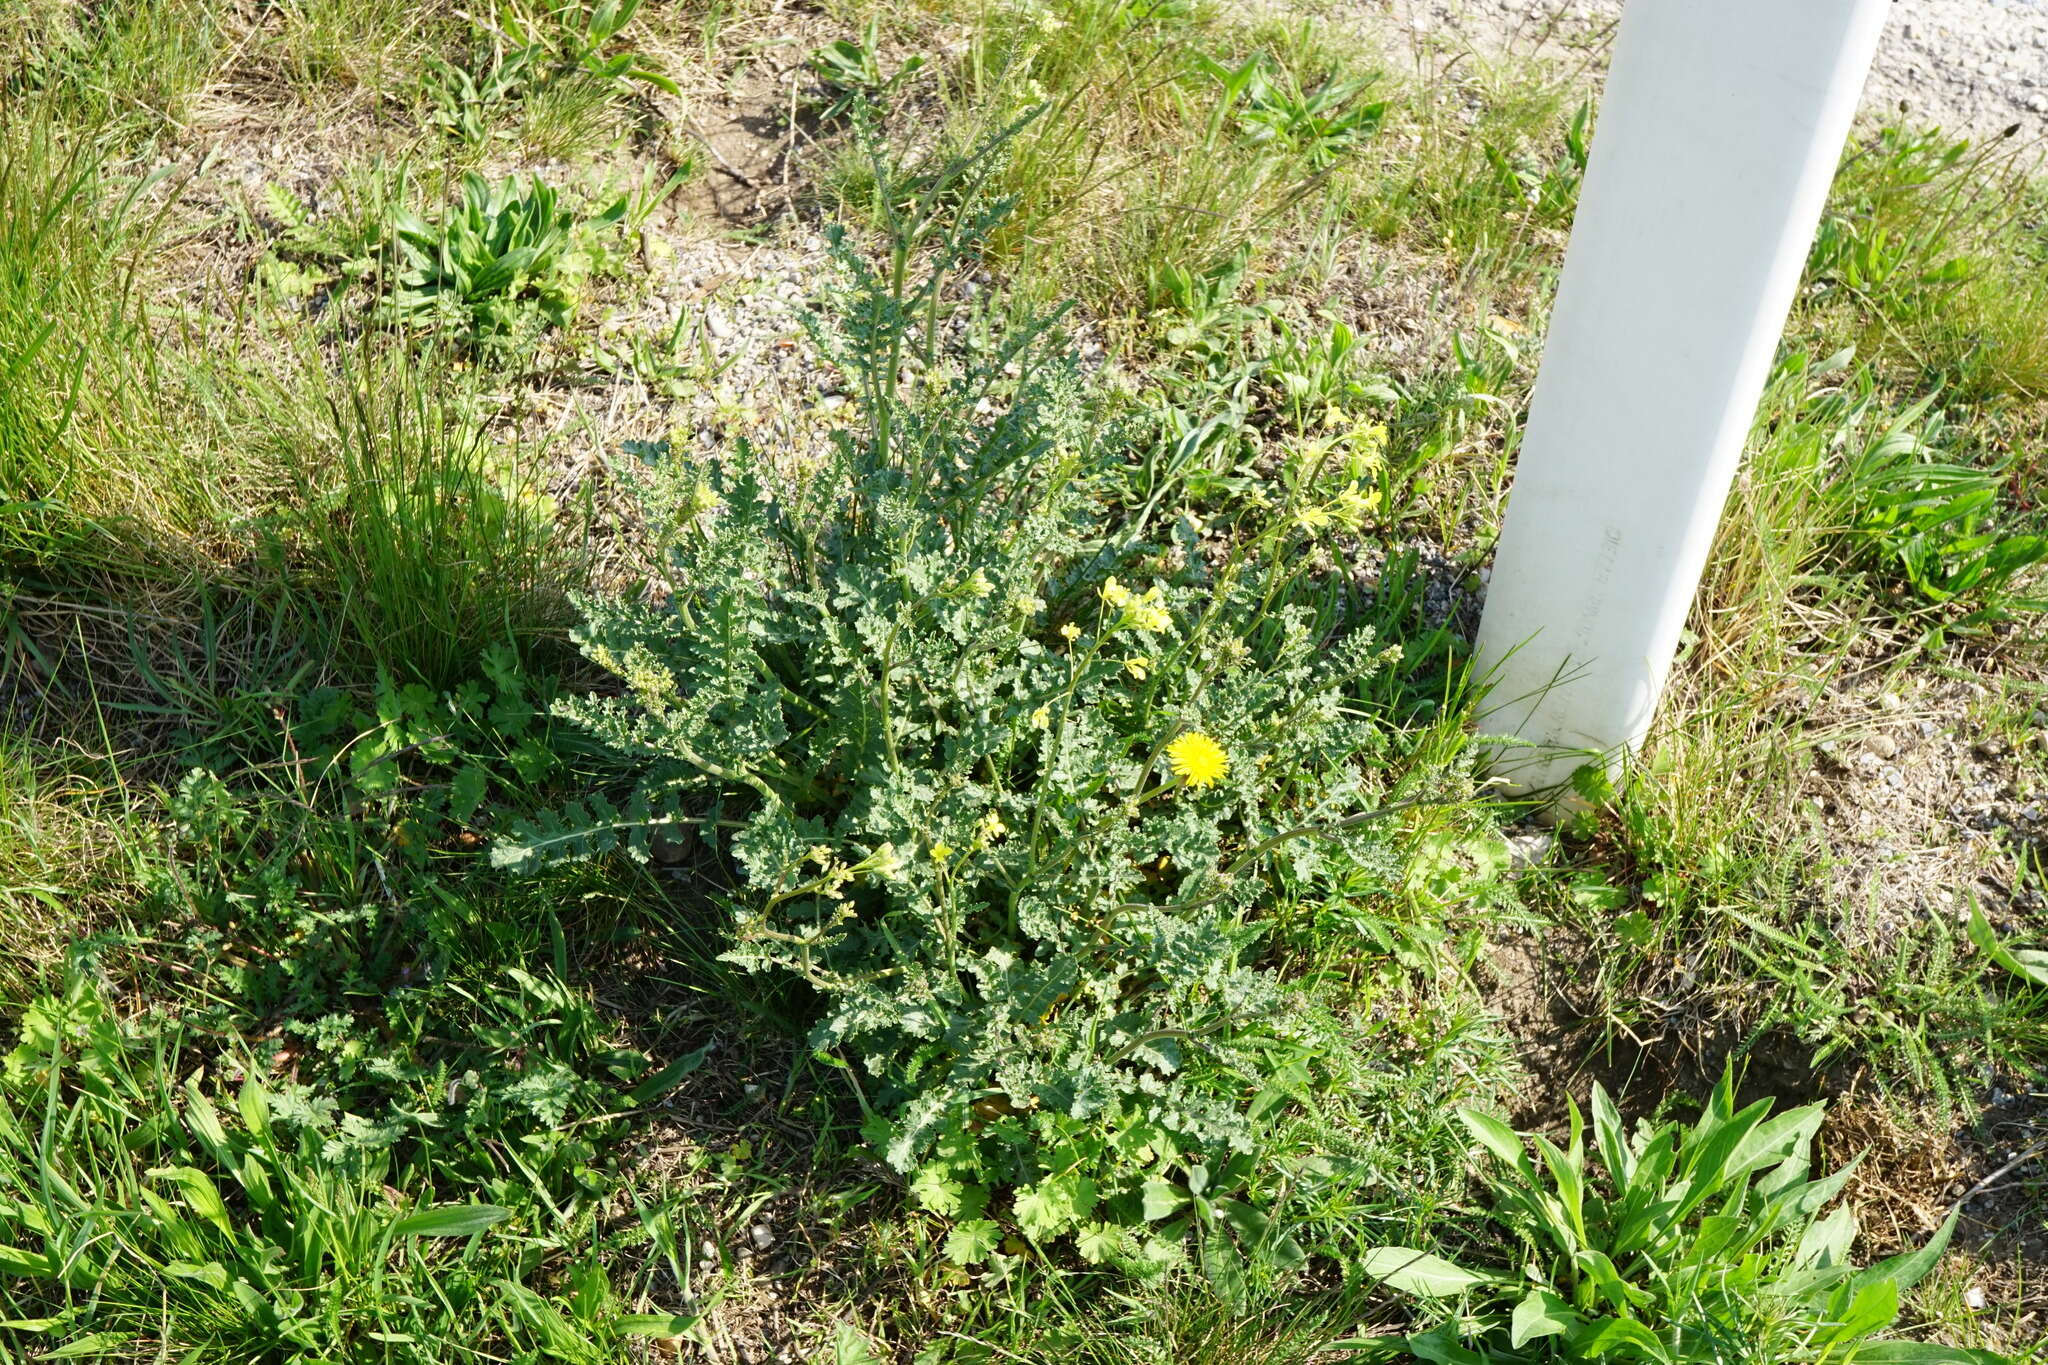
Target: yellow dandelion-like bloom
1070, 631
1197, 759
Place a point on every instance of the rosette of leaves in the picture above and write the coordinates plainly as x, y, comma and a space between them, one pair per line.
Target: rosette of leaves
931, 700
506, 261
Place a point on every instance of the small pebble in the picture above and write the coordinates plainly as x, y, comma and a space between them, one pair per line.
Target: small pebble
1530, 848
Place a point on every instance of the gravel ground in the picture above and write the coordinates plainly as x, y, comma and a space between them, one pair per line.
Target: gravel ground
1973, 66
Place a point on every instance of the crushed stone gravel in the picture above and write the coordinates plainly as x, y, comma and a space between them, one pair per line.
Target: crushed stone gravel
1973, 67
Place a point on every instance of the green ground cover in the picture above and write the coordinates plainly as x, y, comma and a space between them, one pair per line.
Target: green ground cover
712, 681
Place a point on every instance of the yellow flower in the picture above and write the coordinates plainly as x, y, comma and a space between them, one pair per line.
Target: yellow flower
1116, 594
1354, 505
1138, 666
1041, 719
1197, 759
1070, 631
1026, 604
977, 585
941, 852
1149, 612
990, 829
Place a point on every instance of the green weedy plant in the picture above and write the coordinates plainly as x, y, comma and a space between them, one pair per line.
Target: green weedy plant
1899, 224
140, 1215
349, 243
1934, 243
469, 104
1318, 125
1897, 496
1011, 819
533, 59
1315, 380
433, 541
850, 70
1550, 187
1701, 1244
1940, 526
294, 878
506, 261
1200, 311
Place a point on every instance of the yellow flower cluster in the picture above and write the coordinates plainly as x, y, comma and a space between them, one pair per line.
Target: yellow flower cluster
1146, 612
1150, 612
884, 862
833, 873
1347, 511
1368, 443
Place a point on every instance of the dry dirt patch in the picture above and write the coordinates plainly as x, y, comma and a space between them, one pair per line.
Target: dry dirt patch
1918, 799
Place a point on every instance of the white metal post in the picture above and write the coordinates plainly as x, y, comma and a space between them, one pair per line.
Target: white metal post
1718, 137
